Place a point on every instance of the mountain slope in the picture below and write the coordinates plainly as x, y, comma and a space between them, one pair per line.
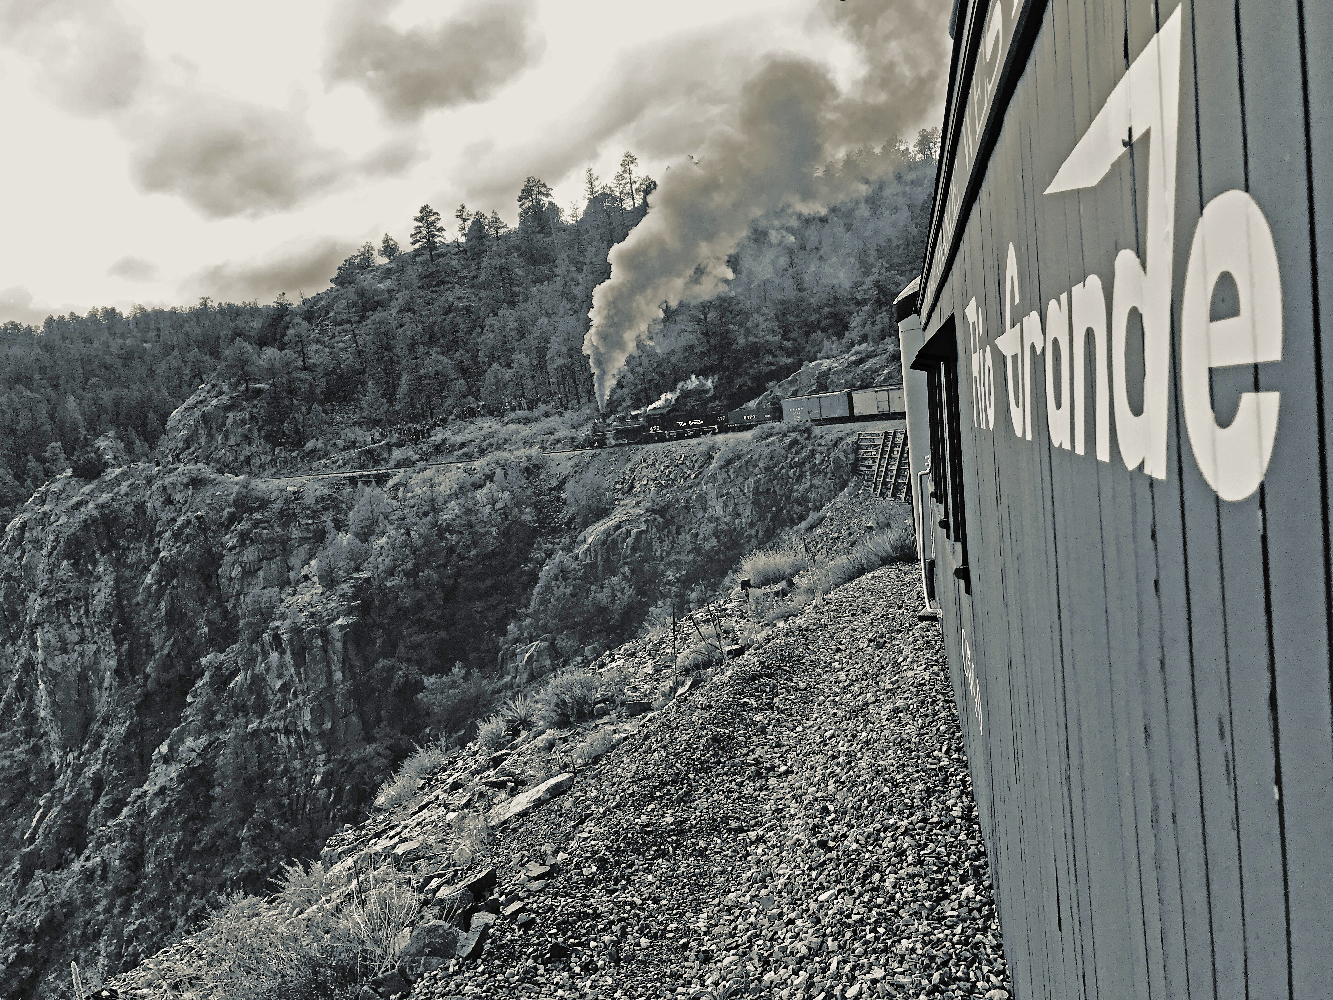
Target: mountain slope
798, 823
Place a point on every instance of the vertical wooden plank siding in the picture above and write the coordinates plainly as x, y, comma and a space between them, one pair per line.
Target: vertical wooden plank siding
1143, 657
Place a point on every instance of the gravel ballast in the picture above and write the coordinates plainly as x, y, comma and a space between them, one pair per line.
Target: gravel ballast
800, 825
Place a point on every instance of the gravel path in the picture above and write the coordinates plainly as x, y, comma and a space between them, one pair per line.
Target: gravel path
801, 826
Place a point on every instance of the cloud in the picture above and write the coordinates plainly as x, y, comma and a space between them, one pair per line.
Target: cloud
663, 100
300, 266
134, 269
225, 156
92, 59
408, 73
222, 155
791, 119
16, 306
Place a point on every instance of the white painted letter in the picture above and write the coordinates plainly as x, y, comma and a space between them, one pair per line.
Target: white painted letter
1057, 333
1232, 238
983, 368
1033, 342
1011, 343
1146, 100
1088, 309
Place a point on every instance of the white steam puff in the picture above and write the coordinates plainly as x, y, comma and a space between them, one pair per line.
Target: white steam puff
792, 120
695, 384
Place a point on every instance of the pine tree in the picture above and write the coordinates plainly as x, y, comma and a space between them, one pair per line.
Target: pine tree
427, 231
389, 247
625, 176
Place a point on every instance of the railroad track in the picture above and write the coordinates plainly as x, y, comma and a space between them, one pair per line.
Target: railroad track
882, 462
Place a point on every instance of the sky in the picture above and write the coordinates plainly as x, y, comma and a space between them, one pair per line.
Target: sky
161, 151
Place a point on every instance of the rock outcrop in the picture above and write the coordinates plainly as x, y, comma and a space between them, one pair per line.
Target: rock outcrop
182, 706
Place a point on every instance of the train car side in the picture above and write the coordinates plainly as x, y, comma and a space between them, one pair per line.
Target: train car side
1122, 404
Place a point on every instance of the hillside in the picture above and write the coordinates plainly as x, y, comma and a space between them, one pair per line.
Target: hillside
204, 675
796, 822
488, 324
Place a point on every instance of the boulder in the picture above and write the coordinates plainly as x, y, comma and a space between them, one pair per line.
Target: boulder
392, 983
409, 851
471, 944
529, 800
433, 939
482, 918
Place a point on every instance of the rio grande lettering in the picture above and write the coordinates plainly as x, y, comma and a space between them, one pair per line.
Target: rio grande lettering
1232, 238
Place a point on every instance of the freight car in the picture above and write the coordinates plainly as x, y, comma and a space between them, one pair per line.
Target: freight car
856, 404
1118, 397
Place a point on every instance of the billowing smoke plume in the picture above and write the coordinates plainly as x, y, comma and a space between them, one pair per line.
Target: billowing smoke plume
792, 119
695, 389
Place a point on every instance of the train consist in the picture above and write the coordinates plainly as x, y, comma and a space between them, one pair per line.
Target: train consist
690, 416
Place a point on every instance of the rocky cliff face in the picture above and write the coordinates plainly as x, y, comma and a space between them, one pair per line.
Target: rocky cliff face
201, 677
217, 426
181, 706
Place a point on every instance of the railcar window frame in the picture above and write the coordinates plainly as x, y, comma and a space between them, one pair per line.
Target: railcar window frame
938, 359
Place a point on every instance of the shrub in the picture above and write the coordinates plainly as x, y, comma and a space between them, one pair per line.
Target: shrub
301, 888
424, 762
88, 464
340, 557
763, 568
492, 734
454, 701
519, 714
371, 508
567, 698
249, 950
587, 499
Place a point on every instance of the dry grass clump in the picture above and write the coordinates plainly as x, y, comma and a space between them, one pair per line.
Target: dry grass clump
424, 762
893, 544
770, 566
698, 656
317, 938
593, 748
383, 904
471, 834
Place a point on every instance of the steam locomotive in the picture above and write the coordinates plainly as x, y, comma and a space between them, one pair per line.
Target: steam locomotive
684, 418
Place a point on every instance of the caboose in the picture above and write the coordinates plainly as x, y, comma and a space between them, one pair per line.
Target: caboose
1118, 406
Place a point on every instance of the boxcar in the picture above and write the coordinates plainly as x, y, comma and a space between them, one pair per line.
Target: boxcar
1119, 392
880, 401
824, 406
